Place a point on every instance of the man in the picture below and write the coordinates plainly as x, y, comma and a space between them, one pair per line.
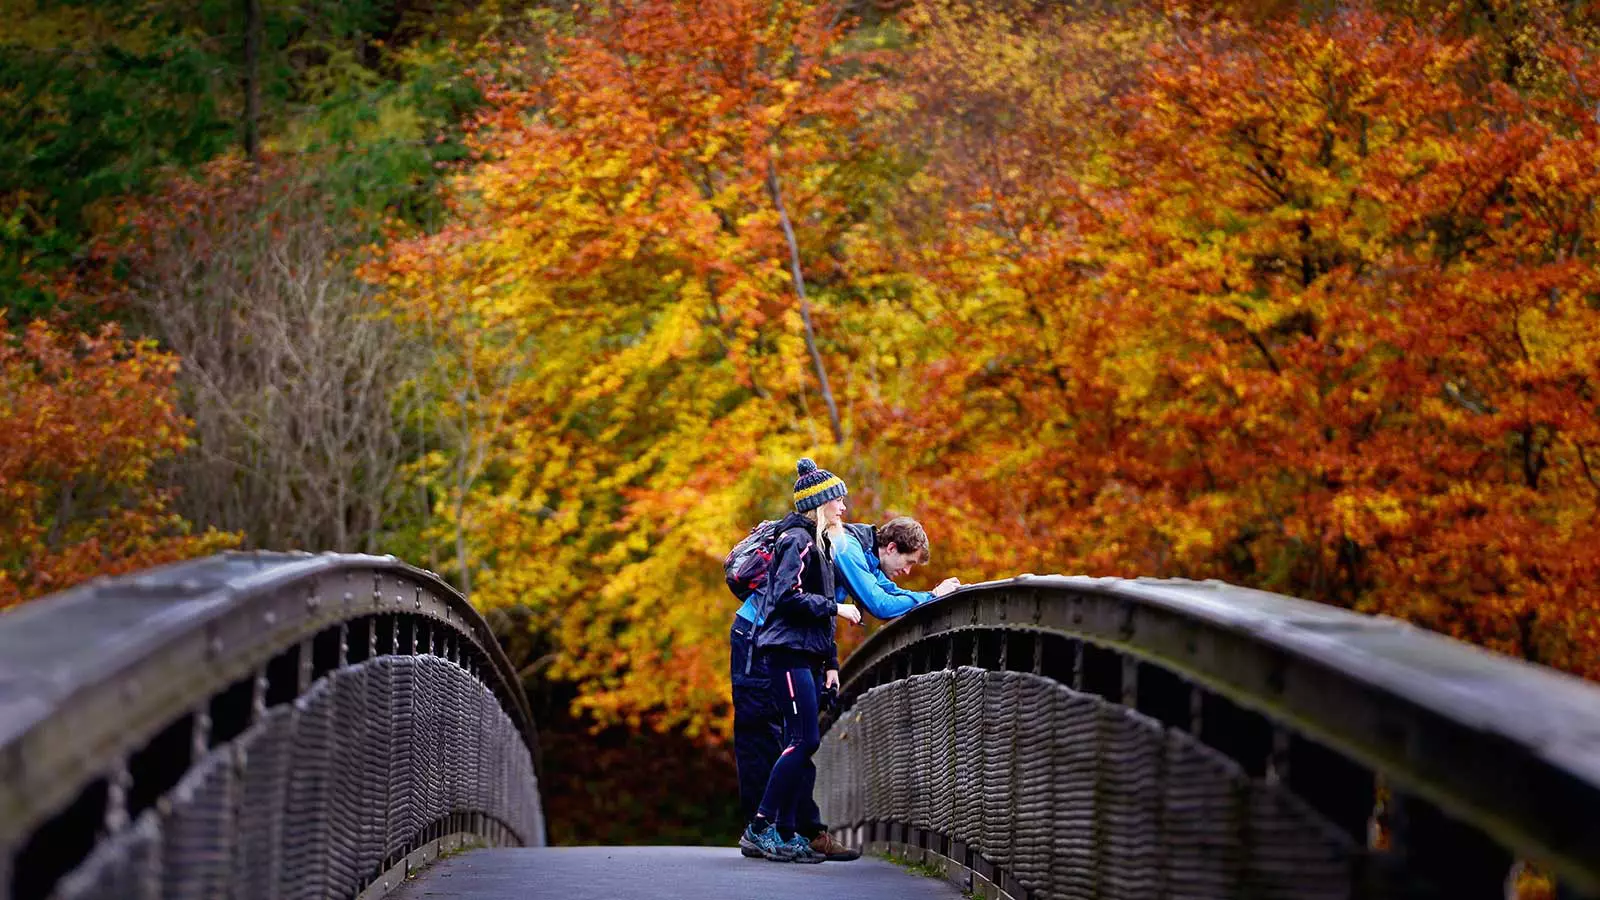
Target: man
867, 566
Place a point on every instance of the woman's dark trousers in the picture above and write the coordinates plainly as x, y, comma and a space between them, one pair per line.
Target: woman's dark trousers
795, 678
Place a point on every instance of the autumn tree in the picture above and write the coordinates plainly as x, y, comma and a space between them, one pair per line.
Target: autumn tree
294, 379
996, 241
1322, 304
86, 417
620, 253
101, 99
1366, 262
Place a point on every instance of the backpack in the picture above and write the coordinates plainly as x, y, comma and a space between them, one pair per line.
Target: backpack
745, 569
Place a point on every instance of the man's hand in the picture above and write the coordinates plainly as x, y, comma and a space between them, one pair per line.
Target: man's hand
830, 680
946, 586
849, 613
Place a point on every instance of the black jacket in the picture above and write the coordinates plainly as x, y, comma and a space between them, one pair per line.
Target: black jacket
796, 608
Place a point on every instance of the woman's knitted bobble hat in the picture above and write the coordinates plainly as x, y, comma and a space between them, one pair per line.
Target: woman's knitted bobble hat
815, 486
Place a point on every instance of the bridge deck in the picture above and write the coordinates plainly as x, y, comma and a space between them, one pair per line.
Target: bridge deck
665, 873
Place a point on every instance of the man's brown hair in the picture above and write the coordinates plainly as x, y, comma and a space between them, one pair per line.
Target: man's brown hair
906, 534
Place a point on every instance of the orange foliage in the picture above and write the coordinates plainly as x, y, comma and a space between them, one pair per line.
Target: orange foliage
87, 416
1324, 323
1382, 338
1305, 306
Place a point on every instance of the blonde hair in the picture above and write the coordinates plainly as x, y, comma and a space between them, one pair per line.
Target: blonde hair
834, 531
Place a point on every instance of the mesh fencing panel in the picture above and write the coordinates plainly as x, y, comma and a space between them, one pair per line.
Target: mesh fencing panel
1073, 796
307, 803
265, 751
1204, 809
129, 869
317, 796
199, 830
1291, 852
1074, 722
902, 766
998, 734
1128, 804
1033, 779
404, 817
937, 723
969, 754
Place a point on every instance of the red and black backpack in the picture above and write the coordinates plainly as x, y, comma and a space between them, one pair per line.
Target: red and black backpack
745, 569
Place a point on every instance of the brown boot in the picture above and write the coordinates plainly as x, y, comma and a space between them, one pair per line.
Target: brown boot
831, 850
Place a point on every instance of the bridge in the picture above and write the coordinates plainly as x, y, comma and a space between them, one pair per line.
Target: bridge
272, 725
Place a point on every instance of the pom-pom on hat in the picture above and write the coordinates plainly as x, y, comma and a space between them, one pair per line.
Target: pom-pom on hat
815, 486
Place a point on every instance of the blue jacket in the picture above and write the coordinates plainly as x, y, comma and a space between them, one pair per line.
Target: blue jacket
796, 606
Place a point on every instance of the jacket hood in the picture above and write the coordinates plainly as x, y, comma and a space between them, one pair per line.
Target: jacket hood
793, 520
865, 535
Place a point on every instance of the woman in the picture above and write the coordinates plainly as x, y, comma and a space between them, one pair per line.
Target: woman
795, 640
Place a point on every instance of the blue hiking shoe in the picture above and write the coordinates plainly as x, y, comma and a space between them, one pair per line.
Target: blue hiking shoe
765, 842
800, 850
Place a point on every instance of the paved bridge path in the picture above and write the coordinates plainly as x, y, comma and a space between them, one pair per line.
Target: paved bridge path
666, 873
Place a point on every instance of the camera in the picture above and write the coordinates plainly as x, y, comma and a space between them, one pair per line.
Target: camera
827, 699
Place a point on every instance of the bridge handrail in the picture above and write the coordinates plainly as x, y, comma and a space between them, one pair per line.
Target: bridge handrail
91, 674
1523, 741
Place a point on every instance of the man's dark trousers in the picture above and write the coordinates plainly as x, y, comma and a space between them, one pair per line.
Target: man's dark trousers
758, 735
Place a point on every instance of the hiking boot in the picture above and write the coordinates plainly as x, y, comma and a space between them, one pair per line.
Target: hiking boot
800, 850
829, 848
765, 842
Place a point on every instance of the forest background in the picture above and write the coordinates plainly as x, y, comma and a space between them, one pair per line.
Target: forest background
548, 297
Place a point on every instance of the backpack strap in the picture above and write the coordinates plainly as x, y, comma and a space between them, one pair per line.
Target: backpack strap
755, 627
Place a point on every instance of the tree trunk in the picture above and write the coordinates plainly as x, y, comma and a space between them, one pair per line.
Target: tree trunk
252, 79
805, 305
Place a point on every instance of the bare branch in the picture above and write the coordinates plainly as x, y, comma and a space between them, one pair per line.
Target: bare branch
290, 373
805, 305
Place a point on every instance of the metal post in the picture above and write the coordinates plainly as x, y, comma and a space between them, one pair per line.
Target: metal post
304, 679
258, 696
1130, 682
1278, 759
118, 783
200, 734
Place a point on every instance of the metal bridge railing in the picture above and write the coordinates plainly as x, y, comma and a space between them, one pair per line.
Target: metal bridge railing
1101, 738
269, 725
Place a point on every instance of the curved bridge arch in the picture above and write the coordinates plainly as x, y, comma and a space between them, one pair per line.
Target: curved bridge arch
1077, 737
338, 717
